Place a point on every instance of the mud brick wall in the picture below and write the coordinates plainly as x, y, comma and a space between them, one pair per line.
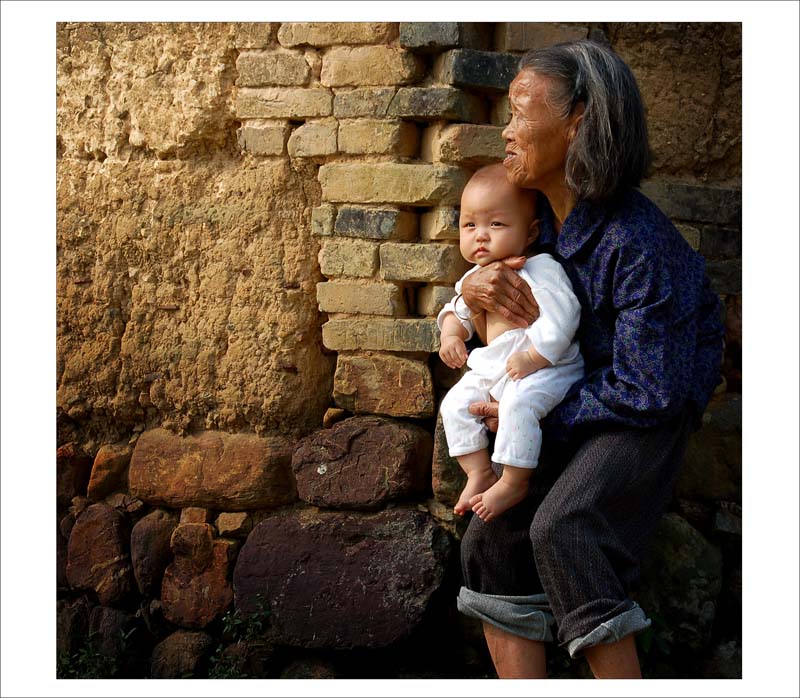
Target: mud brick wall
257, 225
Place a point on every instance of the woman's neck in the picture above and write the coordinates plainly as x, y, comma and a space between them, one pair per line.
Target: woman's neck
561, 202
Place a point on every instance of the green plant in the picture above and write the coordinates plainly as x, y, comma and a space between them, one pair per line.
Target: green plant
240, 629
90, 662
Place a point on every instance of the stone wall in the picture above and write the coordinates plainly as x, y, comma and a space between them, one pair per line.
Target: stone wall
256, 229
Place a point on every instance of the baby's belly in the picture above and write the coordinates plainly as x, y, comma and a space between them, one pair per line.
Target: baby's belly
496, 324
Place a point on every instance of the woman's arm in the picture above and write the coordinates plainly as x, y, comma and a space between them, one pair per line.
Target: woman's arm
496, 288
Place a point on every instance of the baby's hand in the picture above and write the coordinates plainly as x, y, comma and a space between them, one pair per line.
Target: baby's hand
520, 365
453, 351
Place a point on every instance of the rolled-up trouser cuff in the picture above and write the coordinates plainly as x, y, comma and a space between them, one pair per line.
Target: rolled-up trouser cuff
526, 616
627, 622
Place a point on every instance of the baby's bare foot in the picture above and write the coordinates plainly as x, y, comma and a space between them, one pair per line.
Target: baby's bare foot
498, 498
478, 481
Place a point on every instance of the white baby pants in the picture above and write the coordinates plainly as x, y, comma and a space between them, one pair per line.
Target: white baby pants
523, 402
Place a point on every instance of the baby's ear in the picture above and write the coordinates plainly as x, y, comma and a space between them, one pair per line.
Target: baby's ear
533, 231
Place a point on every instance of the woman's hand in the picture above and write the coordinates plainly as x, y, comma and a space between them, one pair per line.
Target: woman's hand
497, 289
488, 411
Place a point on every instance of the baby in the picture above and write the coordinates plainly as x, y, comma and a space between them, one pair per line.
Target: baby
529, 370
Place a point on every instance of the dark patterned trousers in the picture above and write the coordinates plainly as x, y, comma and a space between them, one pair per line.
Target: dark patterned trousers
570, 552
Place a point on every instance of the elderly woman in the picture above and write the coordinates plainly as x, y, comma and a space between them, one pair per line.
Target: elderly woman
651, 337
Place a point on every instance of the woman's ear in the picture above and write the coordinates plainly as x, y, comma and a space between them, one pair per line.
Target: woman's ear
575, 120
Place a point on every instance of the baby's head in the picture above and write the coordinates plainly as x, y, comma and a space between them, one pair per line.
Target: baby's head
497, 220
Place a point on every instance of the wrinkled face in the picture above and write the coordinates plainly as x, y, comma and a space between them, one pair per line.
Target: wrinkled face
537, 138
494, 222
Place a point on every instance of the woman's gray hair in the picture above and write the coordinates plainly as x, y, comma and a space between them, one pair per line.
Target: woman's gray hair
610, 152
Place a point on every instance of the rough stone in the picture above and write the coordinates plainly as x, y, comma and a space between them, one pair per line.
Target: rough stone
260, 68
448, 477
379, 334
313, 139
380, 384
370, 65
334, 415
422, 262
368, 102
72, 624
362, 463
523, 36
235, 524
73, 468
724, 662
249, 35
501, 111
690, 233
720, 242
725, 276
430, 103
712, 469
387, 182
110, 470
681, 580
282, 103
356, 258
340, 580
369, 136
434, 37
322, 219
195, 515
331, 33
431, 299
696, 203
463, 144
62, 543
212, 469
150, 550
439, 224
365, 299
375, 223
476, 70
98, 556
196, 590
108, 627
268, 138
180, 655
309, 669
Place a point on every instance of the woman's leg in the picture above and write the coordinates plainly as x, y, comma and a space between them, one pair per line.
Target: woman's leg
616, 660
515, 657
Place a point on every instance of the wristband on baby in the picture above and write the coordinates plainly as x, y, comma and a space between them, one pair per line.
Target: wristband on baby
455, 309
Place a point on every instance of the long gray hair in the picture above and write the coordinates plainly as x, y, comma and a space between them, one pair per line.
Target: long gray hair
610, 152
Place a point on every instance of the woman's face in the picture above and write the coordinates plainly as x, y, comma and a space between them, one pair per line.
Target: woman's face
537, 138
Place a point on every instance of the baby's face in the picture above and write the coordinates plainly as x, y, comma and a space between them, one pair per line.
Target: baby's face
495, 222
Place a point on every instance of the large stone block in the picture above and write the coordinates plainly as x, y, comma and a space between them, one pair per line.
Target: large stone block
150, 550
249, 35
476, 70
379, 334
725, 275
341, 257
523, 36
431, 299
430, 262
720, 242
365, 299
281, 103
463, 144
313, 139
331, 33
439, 224
369, 136
72, 624
370, 65
396, 183
681, 581
73, 469
362, 463
341, 581
212, 469
98, 557
712, 469
382, 384
375, 223
690, 202
109, 471
180, 655
447, 476
267, 138
368, 101
433, 103
262, 69
434, 37
322, 219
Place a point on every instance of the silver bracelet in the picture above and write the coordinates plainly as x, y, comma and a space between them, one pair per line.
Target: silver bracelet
455, 309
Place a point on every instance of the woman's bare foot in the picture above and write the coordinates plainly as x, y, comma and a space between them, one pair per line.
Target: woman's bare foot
498, 498
477, 481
